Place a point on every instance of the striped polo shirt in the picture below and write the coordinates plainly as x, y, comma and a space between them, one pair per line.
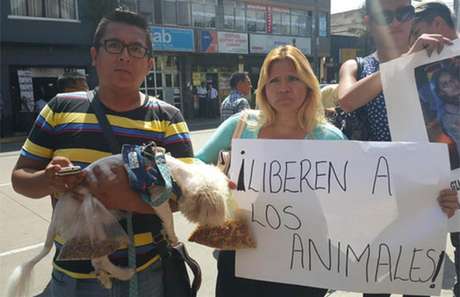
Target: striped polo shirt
68, 127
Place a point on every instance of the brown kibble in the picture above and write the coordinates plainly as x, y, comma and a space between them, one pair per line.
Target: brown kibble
84, 248
230, 236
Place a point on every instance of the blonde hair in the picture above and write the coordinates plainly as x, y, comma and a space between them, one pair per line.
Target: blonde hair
311, 112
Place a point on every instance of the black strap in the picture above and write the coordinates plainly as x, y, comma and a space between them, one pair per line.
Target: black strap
360, 62
103, 122
174, 259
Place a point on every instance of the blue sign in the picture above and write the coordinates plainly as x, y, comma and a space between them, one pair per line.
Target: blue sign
172, 39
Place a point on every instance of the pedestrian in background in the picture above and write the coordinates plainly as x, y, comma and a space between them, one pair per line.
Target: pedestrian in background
236, 101
72, 82
213, 100
202, 93
122, 55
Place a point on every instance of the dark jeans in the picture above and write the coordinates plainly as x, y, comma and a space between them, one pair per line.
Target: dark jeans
230, 286
203, 108
455, 240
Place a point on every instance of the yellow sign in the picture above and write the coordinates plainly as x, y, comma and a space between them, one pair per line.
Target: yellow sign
197, 78
347, 54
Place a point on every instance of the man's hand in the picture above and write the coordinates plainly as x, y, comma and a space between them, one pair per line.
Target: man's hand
430, 43
61, 183
113, 190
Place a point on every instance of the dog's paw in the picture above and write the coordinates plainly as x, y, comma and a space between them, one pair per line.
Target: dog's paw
104, 279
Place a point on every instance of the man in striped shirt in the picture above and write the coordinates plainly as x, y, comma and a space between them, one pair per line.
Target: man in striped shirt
67, 133
236, 101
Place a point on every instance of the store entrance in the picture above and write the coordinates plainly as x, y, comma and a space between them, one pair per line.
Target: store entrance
163, 81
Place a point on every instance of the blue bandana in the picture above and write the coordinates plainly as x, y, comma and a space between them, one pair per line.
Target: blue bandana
146, 168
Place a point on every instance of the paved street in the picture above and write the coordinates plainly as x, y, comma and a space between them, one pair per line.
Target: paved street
24, 223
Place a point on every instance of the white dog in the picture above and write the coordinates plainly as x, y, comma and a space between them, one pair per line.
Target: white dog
203, 201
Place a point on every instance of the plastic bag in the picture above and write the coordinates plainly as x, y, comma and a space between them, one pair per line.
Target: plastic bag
94, 232
235, 233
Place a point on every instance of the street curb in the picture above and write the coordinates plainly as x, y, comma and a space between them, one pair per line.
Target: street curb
13, 139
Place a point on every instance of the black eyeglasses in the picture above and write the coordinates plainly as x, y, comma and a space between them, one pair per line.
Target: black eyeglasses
115, 46
386, 17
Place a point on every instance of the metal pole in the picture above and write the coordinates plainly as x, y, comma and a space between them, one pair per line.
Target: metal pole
155, 78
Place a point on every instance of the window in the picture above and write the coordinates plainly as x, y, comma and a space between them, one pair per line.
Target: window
281, 21
183, 12
256, 18
176, 12
145, 8
128, 4
234, 17
204, 13
169, 12
300, 23
322, 24
57, 9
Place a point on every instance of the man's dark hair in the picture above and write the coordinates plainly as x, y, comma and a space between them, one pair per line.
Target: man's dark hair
427, 11
69, 80
236, 78
124, 17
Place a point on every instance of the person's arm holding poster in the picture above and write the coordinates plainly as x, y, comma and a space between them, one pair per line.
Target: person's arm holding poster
355, 93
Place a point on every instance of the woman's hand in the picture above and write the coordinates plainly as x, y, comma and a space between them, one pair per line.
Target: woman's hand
62, 183
430, 42
448, 200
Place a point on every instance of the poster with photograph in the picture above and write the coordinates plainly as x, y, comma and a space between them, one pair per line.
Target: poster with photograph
422, 96
438, 87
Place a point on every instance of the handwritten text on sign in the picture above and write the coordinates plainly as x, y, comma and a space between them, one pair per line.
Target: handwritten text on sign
343, 215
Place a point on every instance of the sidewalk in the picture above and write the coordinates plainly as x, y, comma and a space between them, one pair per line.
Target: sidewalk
14, 143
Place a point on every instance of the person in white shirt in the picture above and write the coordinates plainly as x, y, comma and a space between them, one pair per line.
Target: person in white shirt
202, 93
213, 101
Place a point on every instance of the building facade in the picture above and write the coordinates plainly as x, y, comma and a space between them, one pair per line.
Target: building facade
194, 41
40, 40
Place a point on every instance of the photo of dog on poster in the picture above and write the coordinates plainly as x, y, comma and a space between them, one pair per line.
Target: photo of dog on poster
438, 86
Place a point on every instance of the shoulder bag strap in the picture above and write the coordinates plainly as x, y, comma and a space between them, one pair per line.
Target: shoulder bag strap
102, 119
360, 62
116, 149
239, 128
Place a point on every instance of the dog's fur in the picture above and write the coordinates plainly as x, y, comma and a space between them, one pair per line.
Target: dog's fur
203, 201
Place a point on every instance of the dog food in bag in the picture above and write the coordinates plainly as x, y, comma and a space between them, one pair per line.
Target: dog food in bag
94, 233
234, 234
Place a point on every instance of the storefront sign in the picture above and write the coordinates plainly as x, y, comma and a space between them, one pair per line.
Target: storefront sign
233, 43
262, 44
208, 41
172, 39
26, 90
269, 20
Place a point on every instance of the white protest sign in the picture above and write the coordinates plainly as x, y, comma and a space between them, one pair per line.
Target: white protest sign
343, 215
418, 109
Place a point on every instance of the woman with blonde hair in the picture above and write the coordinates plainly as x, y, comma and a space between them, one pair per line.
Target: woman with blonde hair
289, 99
